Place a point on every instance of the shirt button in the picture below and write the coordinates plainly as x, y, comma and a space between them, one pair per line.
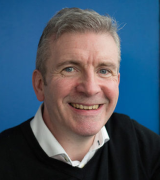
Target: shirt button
66, 158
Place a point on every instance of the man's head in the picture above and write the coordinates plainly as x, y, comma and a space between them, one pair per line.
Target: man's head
77, 73
73, 20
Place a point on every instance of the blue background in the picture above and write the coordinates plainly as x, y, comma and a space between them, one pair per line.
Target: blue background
21, 25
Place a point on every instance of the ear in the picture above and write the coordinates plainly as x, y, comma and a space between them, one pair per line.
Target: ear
38, 85
118, 78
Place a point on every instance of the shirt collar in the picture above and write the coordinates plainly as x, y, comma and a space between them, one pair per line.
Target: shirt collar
44, 137
49, 143
100, 138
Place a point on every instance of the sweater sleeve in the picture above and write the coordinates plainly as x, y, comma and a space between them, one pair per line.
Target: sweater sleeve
6, 164
149, 149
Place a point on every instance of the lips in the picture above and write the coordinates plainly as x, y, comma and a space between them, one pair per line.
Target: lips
80, 106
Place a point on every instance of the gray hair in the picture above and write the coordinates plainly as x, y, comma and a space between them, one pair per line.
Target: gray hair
73, 20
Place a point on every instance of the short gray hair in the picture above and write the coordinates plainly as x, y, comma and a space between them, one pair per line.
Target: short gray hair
73, 20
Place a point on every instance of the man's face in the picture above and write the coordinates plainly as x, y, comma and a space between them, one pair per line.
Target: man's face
82, 83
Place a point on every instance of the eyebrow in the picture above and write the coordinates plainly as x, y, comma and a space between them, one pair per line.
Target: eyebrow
108, 64
67, 63
73, 62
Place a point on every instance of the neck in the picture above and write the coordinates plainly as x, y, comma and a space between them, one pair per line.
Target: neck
77, 148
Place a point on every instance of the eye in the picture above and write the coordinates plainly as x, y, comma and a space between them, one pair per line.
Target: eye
104, 71
69, 69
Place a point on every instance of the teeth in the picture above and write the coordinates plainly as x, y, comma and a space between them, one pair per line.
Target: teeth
95, 107
80, 106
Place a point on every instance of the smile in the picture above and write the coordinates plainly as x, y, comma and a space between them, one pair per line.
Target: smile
80, 106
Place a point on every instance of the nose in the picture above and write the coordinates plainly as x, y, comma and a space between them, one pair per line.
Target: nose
88, 85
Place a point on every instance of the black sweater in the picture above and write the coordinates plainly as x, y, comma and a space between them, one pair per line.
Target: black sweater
132, 153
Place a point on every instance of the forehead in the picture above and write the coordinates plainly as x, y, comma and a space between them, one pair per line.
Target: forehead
85, 47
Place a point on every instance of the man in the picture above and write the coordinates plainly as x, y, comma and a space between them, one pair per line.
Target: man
75, 134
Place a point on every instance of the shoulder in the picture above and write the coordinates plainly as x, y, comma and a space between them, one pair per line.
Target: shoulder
12, 148
123, 123
10, 137
142, 144
13, 140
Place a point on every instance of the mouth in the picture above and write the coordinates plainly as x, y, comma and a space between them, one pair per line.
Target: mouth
84, 107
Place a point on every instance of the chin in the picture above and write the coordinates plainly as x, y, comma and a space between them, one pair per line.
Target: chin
89, 130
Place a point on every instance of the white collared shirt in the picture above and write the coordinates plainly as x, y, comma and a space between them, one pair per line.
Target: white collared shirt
53, 148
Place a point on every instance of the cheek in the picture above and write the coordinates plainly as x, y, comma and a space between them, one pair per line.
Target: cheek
62, 87
111, 90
